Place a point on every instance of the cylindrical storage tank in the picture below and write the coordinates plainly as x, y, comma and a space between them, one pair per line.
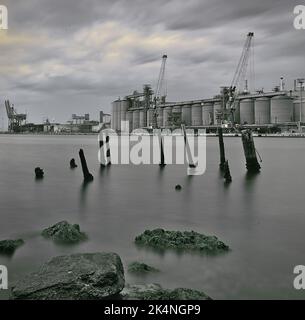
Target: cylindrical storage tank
129, 118
237, 112
246, 111
142, 120
113, 115
160, 117
135, 119
296, 110
262, 110
150, 114
217, 107
281, 109
124, 108
186, 115
118, 106
166, 112
208, 113
196, 114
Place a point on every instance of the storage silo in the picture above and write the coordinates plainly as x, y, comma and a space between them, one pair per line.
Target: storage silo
186, 115
296, 110
246, 111
208, 113
150, 114
135, 119
113, 115
129, 118
237, 112
196, 114
281, 109
160, 117
142, 120
124, 108
262, 110
118, 110
217, 108
166, 112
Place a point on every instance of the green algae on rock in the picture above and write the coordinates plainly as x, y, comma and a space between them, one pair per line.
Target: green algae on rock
182, 240
141, 268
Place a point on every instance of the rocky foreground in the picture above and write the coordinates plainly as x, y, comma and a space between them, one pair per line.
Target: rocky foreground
186, 240
91, 276
9, 246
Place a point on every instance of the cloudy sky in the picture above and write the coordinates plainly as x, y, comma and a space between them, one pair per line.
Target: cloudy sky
66, 56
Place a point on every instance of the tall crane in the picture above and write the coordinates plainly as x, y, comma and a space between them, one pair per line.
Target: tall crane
230, 94
15, 119
160, 92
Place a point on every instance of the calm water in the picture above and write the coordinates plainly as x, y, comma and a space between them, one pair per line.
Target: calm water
262, 218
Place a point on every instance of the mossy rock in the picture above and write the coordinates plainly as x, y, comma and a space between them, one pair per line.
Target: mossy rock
141, 268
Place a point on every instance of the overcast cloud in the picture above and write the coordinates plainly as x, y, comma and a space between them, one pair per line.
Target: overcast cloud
65, 56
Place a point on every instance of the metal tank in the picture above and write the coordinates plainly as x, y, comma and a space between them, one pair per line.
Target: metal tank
113, 115
135, 119
217, 107
129, 117
208, 113
142, 121
166, 112
150, 114
236, 112
296, 110
262, 110
186, 115
118, 110
281, 109
124, 107
247, 111
160, 117
196, 114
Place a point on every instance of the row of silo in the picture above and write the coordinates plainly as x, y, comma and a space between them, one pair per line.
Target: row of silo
297, 113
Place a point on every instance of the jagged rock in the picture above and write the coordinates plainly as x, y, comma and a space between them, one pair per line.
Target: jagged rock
187, 240
64, 232
138, 267
74, 277
39, 173
156, 292
9, 246
178, 187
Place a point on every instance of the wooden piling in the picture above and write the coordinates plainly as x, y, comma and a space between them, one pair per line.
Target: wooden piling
227, 173
252, 164
87, 175
221, 149
187, 148
108, 152
162, 160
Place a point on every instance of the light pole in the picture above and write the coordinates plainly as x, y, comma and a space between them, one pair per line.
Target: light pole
301, 82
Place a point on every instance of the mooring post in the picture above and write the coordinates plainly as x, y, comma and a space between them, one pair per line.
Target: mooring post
162, 159
249, 151
87, 175
221, 149
187, 148
227, 173
101, 155
108, 153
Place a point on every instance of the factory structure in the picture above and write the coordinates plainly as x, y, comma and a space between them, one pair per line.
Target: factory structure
234, 108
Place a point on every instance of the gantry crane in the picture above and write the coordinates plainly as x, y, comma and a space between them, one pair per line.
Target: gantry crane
160, 92
15, 119
230, 93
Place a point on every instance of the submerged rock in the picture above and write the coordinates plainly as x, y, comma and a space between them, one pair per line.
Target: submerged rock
9, 246
64, 232
138, 267
186, 240
156, 292
74, 277
39, 173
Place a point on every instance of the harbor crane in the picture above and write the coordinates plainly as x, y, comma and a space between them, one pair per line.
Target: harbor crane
230, 93
15, 120
160, 92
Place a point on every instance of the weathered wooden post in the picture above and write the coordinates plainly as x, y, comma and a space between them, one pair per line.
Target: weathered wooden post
162, 160
221, 149
187, 148
250, 152
87, 175
227, 173
101, 155
108, 153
